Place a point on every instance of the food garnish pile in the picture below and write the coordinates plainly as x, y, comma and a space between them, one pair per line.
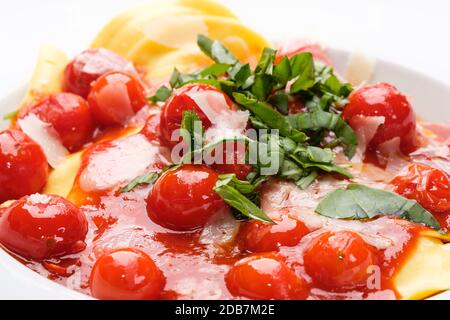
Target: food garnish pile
181, 157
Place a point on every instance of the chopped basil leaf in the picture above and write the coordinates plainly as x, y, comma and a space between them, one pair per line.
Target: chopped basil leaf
280, 101
262, 86
216, 50
263, 91
148, 178
305, 182
240, 73
192, 132
272, 118
319, 119
313, 159
161, 95
174, 78
10, 115
290, 170
216, 70
282, 72
302, 66
361, 202
237, 194
265, 64
244, 187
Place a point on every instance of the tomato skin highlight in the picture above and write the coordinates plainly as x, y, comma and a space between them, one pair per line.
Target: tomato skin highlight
43, 226
180, 101
69, 115
184, 199
126, 274
265, 276
339, 261
383, 99
115, 97
23, 165
262, 237
88, 66
430, 187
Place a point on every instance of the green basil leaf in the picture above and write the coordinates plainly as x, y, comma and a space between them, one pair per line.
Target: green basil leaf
174, 79
161, 95
257, 124
332, 85
319, 119
302, 66
193, 129
199, 150
361, 202
265, 64
280, 101
306, 181
290, 170
282, 72
215, 50
148, 178
272, 118
244, 187
262, 86
316, 154
302, 159
240, 73
227, 189
215, 70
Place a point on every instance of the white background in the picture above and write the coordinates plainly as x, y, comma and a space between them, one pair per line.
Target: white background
411, 33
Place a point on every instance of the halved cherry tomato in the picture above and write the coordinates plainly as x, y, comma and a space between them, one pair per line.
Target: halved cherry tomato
43, 226
88, 66
187, 98
23, 165
384, 100
430, 187
69, 115
233, 160
339, 261
126, 274
116, 97
265, 276
184, 199
151, 127
300, 46
262, 237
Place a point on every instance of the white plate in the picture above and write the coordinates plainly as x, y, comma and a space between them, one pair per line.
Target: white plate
429, 97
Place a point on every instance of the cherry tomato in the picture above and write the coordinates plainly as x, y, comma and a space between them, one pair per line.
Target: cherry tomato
233, 161
184, 199
151, 128
300, 46
430, 187
384, 100
69, 115
23, 165
265, 276
43, 226
126, 274
116, 97
262, 237
339, 260
90, 65
183, 99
